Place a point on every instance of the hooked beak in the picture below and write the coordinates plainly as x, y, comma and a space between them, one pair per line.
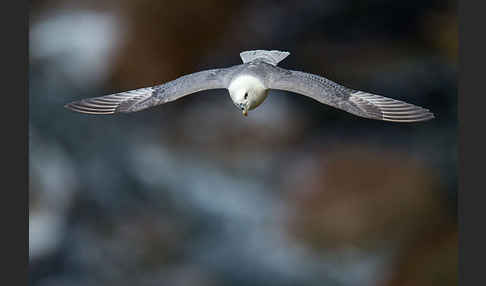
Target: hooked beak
245, 111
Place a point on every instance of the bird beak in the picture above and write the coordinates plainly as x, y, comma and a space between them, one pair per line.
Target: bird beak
245, 111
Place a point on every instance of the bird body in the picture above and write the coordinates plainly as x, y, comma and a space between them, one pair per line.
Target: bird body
248, 85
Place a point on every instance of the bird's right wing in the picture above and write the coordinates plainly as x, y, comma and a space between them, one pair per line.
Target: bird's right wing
142, 98
359, 103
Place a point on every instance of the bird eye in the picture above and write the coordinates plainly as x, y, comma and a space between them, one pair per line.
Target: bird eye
246, 95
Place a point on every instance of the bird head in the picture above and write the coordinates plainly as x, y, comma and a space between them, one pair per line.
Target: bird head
247, 92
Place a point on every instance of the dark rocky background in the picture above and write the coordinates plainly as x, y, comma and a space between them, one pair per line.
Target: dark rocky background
193, 193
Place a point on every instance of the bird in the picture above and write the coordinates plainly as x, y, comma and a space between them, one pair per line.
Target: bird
249, 84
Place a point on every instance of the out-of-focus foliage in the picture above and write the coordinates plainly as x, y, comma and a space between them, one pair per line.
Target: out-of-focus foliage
193, 193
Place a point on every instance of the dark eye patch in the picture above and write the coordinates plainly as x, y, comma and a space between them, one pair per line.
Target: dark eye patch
246, 95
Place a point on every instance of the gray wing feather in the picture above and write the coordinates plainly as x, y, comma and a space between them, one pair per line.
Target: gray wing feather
142, 98
359, 103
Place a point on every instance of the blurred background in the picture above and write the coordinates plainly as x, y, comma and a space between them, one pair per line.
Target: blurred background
193, 193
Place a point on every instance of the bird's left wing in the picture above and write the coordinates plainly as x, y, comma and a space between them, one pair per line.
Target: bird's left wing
142, 98
359, 103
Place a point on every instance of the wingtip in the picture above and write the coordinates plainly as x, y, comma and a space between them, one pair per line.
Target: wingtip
389, 109
67, 106
81, 107
426, 116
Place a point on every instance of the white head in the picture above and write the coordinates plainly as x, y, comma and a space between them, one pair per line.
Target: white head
247, 92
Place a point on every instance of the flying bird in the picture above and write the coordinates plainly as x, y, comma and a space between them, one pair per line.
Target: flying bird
248, 85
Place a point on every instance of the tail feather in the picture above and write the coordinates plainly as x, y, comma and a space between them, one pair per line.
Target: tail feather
271, 57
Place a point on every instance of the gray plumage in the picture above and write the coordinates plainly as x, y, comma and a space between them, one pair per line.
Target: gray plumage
248, 84
271, 57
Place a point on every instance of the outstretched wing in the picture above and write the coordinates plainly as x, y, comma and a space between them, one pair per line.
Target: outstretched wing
139, 99
359, 103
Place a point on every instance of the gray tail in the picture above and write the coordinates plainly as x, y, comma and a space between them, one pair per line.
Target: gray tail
271, 57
